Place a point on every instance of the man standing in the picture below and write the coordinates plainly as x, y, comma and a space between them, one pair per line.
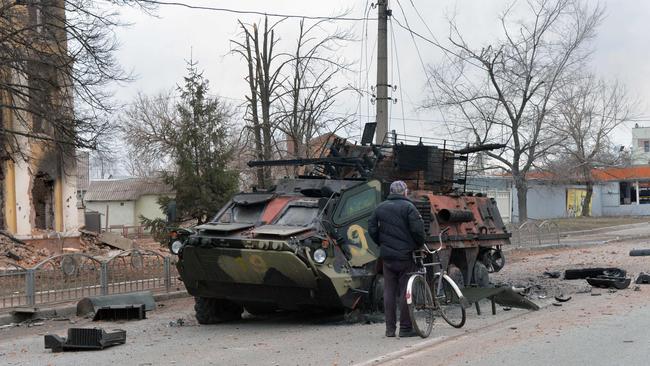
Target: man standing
397, 227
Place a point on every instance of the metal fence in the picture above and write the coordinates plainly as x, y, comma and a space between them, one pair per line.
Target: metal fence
533, 233
69, 277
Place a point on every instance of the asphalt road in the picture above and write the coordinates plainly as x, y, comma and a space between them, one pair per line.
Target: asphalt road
598, 330
285, 339
609, 329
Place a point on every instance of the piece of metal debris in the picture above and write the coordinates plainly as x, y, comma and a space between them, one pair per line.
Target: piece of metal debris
643, 278
637, 288
639, 252
121, 312
610, 282
90, 305
552, 274
584, 273
85, 339
561, 298
557, 304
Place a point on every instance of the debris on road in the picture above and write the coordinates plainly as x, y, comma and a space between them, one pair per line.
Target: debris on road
89, 306
610, 282
643, 279
639, 252
584, 273
121, 312
552, 274
561, 298
85, 339
557, 304
180, 322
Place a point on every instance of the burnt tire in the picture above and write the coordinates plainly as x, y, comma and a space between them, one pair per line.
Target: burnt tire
213, 311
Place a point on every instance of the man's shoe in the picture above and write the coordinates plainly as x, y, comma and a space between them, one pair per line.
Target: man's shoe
390, 333
405, 333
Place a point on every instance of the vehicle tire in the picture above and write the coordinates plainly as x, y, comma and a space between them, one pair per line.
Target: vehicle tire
261, 308
212, 311
420, 303
481, 276
449, 301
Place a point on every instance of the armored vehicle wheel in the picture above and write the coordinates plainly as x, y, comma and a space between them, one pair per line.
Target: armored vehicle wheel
212, 311
481, 277
260, 308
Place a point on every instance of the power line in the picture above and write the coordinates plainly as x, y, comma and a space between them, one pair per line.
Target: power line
424, 69
238, 11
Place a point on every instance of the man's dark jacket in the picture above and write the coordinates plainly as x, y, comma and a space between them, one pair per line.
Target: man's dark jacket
397, 227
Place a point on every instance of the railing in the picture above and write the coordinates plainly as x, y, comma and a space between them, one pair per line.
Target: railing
69, 277
531, 233
133, 232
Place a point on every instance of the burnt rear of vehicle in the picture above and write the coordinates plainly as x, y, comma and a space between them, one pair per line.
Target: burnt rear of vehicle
304, 243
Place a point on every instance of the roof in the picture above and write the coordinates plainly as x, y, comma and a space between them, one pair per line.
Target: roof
627, 173
125, 189
638, 172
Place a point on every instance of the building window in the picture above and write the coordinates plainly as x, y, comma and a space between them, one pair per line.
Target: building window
646, 146
627, 193
644, 192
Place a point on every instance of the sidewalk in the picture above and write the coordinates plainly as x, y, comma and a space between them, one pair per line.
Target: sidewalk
600, 236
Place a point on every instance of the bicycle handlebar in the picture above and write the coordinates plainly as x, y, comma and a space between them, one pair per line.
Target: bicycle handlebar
439, 240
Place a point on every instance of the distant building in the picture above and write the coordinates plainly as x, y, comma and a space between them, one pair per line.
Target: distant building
125, 200
640, 145
37, 184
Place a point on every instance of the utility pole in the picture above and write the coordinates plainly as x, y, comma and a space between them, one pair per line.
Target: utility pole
382, 71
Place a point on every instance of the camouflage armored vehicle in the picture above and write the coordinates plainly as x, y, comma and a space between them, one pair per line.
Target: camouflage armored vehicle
304, 243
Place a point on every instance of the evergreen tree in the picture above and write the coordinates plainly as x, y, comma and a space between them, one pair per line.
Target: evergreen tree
202, 151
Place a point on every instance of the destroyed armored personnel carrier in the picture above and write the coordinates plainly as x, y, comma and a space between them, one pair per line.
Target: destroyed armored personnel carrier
303, 243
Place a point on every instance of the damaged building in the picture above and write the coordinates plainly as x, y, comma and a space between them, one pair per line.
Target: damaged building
37, 168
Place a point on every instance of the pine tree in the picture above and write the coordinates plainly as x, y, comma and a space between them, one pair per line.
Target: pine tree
202, 179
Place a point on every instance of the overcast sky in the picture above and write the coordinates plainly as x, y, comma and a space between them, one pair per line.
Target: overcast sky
155, 48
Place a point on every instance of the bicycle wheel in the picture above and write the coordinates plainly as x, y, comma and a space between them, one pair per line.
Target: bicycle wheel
449, 301
420, 304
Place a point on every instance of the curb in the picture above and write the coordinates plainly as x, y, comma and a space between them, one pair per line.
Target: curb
68, 309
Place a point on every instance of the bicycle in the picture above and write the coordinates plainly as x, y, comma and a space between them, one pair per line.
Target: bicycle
448, 301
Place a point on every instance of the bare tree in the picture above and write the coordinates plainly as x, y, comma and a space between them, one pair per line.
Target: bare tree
588, 112
56, 61
508, 95
149, 127
308, 94
264, 79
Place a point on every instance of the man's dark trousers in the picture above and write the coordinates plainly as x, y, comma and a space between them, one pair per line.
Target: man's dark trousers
396, 276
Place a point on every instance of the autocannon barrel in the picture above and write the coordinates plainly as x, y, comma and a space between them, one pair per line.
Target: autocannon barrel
446, 215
